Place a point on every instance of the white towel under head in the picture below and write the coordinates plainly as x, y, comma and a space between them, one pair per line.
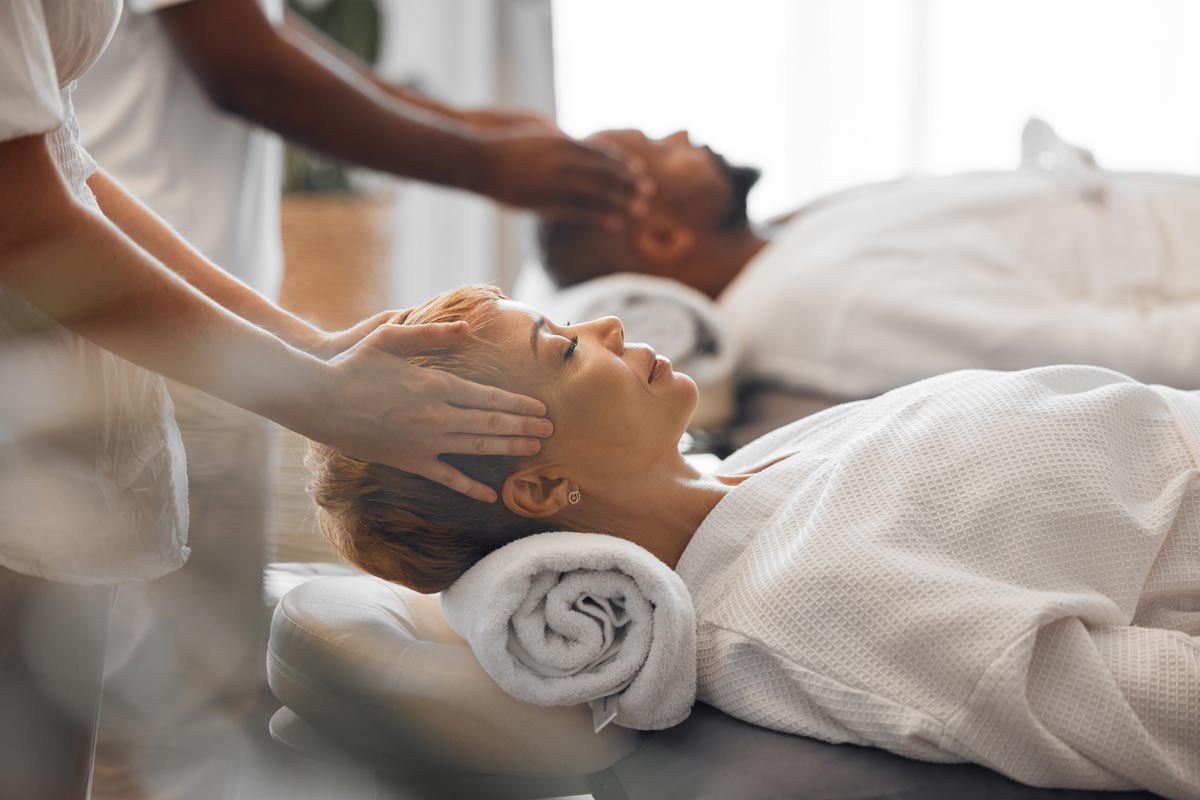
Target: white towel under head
565, 618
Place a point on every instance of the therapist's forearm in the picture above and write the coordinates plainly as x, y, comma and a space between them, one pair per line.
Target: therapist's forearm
158, 239
316, 99
299, 32
82, 271
90, 277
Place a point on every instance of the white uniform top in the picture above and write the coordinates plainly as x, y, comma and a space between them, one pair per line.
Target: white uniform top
211, 176
1001, 568
885, 285
93, 483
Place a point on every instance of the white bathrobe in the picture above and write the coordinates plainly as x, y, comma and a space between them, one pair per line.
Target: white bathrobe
884, 285
1001, 568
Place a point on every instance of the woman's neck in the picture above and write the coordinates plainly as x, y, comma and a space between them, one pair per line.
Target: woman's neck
659, 510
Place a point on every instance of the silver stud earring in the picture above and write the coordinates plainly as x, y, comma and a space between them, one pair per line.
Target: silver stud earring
574, 497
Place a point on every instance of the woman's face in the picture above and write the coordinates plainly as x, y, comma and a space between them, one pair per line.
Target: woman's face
616, 406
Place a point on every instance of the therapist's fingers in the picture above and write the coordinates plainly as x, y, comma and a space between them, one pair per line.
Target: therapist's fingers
490, 445
584, 205
334, 344
581, 212
604, 168
583, 191
624, 175
466, 394
497, 423
594, 182
591, 188
441, 472
402, 340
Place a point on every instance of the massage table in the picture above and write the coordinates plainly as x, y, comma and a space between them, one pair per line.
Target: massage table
369, 674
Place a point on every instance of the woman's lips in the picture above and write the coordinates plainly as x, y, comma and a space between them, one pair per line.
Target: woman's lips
659, 366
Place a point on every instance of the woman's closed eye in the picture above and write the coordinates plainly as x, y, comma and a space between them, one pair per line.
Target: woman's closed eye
573, 342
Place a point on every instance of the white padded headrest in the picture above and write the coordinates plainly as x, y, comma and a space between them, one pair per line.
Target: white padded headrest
376, 663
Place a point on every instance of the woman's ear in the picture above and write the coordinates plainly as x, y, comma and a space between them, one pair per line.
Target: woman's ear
530, 494
663, 240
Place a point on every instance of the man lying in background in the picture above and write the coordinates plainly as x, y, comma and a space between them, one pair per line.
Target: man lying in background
878, 286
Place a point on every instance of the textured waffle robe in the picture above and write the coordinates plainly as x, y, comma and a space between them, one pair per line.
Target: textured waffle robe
1000, 568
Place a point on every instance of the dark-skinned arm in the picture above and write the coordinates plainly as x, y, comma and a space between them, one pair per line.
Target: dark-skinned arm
301, 33
253, 70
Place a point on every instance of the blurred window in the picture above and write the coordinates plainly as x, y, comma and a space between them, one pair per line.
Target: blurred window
826, 93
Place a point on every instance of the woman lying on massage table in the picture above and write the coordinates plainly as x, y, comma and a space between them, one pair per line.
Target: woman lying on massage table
1001, 568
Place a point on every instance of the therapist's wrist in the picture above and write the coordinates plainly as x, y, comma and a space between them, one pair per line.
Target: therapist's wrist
305, 337
294, 389
477, 172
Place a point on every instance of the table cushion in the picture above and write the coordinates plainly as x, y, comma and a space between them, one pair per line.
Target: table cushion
375, 663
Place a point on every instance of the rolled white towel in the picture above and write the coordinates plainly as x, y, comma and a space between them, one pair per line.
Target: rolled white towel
565, 618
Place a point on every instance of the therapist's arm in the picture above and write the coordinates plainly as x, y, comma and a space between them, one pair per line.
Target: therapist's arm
250, 69
302, 34
81, 270
158, 239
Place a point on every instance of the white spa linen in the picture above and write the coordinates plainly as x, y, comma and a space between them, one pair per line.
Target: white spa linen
566, 618
1001, 568
884, 285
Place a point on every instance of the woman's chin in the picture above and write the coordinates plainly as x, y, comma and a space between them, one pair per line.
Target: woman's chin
689, 396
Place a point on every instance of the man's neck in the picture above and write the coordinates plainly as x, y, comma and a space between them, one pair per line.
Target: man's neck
724, 260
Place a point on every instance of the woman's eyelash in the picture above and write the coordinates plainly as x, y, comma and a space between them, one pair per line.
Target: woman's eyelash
571, 349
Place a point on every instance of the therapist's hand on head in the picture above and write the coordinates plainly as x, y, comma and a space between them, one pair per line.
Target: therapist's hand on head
327, 345
539, 167
380, 408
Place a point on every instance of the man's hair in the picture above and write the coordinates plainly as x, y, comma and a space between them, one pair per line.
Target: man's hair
741, 181
405, 528
574, 252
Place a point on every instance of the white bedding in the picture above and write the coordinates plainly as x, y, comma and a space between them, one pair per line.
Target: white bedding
886, 285
1001, 568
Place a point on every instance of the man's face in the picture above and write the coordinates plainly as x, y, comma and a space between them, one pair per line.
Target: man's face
694, 183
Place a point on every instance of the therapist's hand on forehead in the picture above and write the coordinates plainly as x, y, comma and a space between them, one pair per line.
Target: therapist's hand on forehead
380, 408
529, 162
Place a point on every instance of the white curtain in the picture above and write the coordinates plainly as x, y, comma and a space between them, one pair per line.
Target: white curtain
469, 53
827, 93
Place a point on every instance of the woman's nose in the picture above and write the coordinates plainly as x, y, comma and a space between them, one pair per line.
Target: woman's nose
610, 332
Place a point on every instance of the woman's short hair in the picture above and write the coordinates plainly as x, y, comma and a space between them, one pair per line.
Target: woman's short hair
405, 528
